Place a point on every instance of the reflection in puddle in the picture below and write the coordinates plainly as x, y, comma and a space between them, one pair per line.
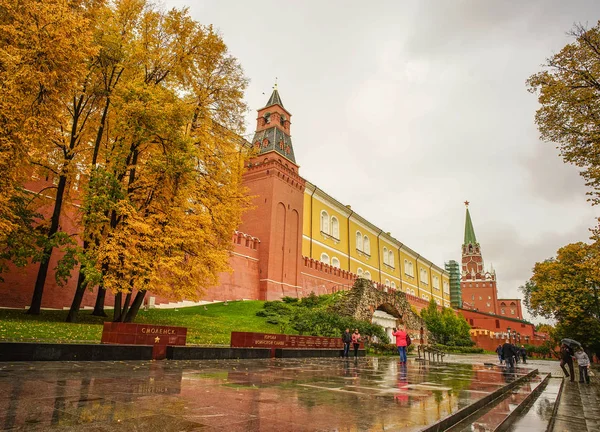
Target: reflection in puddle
371, 394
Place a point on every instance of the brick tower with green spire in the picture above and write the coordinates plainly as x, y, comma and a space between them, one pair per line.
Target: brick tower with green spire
478, 287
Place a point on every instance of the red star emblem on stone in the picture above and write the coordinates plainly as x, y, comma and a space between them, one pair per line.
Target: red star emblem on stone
467, 203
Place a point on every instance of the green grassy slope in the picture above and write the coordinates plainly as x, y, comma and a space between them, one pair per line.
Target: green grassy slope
211, 326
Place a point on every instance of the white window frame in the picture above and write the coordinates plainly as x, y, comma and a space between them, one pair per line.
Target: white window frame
359, 241
335, 228
325, 258
387, 282
367, 275
324, 222
393, 285
391, 258
359, 272
335, 262
366, 245
385, 255
446, 287
424, 276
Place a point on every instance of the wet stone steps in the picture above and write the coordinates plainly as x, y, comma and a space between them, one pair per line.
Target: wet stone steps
496, 415
538, 414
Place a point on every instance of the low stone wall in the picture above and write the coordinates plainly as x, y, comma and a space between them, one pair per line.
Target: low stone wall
26, 351
215, 353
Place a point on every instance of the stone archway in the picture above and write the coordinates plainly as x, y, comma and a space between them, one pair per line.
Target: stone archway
364, 300
388, 317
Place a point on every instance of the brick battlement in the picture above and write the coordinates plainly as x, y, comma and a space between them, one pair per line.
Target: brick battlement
287, 173
245, 240
312, 263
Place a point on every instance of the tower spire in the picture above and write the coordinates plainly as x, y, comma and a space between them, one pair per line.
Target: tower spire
275, 99
469, 231
273, 128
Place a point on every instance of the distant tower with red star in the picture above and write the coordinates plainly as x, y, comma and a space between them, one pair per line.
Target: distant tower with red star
478, 286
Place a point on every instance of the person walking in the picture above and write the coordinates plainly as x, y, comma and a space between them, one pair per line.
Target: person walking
499, 352
567, 358
346, 339
508, 352
583, 361
523, 353
356, 342
401, 343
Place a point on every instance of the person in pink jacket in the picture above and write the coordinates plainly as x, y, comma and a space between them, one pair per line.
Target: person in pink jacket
401, 343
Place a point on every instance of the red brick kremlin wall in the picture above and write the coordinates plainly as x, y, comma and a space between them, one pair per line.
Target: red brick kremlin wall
242, 283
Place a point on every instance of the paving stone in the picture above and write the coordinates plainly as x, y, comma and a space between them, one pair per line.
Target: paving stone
262, 394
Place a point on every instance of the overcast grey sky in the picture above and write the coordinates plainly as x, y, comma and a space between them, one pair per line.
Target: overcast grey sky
405, 109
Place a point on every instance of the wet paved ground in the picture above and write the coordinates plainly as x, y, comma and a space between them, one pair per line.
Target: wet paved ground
579, 408
246, 395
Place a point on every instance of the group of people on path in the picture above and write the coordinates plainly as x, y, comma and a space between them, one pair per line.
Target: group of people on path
510, 353
402, 342
583, 361
351, 338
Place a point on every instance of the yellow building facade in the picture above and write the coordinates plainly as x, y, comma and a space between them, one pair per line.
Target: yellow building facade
336, 235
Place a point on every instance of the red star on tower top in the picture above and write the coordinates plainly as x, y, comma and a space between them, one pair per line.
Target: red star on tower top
466, 203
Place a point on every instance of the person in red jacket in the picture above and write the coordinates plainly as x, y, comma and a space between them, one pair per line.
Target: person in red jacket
356, 342
401, 343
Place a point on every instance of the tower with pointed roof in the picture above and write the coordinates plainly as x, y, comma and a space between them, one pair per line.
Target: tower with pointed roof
272, 179
478, 286
273, 129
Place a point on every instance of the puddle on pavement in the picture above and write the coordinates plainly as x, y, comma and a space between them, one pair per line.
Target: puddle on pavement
284, 394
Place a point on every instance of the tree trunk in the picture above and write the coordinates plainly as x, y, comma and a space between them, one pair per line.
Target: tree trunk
81, 284
38, 291
135, 306
126, 306
117, 309
79, 292
99, 306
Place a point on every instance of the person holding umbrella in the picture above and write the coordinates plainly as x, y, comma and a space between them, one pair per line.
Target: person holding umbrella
567, 358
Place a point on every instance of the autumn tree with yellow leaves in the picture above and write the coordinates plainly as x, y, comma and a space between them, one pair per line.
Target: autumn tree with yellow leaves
150, 129
567, 289
568, 90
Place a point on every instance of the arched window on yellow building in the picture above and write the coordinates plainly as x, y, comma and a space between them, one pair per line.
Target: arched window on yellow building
391, 258
335, 262
335, 227
324, 258
385, 255
324, 222
359, 241
366, 245
367, 275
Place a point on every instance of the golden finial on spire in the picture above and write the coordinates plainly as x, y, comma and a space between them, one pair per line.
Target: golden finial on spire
275, 86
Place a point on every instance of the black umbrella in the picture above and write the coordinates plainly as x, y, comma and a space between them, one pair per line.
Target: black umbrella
571, 343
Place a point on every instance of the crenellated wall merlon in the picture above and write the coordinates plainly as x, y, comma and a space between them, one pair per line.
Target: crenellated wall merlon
245, 240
